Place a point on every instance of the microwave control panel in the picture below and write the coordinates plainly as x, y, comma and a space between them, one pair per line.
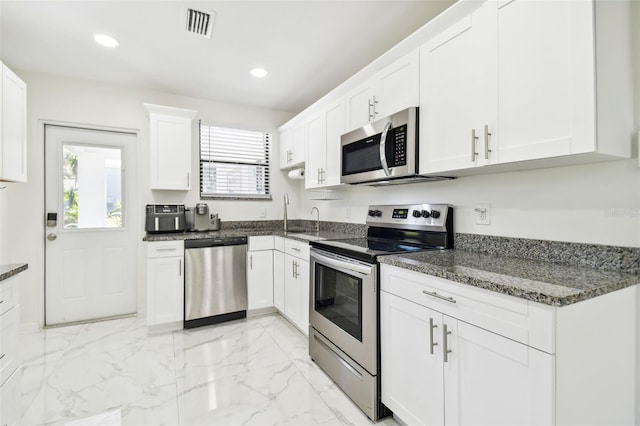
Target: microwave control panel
398, 155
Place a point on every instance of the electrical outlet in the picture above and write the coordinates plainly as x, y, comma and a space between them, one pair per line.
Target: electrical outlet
482, 214
263, 213
348, 215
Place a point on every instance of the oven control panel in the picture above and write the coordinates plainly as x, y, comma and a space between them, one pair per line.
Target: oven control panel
432, 217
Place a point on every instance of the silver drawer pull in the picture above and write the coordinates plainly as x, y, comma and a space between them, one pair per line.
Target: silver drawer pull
2, 356
295, 248
445, 347
166, 249
434, 294
1, 301
431, 327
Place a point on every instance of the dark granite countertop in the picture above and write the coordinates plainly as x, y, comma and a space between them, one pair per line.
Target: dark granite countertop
544, 282
298, 235
8, 271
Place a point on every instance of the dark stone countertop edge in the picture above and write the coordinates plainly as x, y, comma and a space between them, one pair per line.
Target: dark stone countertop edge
247, 233
8, 271
437, 271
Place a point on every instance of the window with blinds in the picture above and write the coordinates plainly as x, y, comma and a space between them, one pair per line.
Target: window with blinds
234, 163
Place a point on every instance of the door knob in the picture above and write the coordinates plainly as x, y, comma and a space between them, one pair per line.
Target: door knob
52, 237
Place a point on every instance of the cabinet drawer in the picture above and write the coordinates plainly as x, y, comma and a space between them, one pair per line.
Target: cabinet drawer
278, 243
261, 243
8, 343
10, 400
297, 249
165, 249
8, 294
518, 319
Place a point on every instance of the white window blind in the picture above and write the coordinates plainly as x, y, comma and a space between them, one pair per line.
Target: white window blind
234, 163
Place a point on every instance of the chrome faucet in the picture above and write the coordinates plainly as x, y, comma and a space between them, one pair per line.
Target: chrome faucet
286, 201
317, 219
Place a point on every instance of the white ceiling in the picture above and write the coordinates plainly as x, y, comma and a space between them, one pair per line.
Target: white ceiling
308, 47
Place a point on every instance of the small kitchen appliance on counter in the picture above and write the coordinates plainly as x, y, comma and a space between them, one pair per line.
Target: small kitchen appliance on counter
343, 314
165, 218
201, 217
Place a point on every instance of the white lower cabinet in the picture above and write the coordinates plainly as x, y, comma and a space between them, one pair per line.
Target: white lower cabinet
437, 370
165, 283
260, 272
10, 373
453, 354
291, 281
278, 280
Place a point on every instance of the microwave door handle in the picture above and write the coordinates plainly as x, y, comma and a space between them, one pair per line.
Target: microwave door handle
383, 153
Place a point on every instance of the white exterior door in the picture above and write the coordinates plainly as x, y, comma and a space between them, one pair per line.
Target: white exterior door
90, 233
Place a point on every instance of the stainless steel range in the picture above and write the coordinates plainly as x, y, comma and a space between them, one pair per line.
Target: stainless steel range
343, 319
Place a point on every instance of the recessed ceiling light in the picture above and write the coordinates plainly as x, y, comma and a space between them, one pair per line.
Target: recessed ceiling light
258, 72
106, 40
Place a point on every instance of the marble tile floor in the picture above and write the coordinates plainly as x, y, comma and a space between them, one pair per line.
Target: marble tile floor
247, 372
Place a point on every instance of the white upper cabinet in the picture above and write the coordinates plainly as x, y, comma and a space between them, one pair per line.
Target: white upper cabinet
323, 146
390, 90
170, 147
13, 127
458, 93
527, 80
292, 146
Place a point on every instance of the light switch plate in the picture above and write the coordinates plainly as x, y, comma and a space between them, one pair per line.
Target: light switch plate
482, 214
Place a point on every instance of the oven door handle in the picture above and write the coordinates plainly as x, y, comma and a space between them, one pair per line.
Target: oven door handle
342, 264
383, 149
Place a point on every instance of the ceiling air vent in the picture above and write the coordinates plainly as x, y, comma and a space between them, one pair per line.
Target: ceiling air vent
199, 21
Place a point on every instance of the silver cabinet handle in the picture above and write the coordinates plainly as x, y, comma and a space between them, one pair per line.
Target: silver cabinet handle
383, 152
251, 262
2, 356
474, 139
439, 296
188, 179
293, 269
296, 270
370, 108
166, 249
1, 301
486, 142
179, 267
431, 327
296, 249
445, 347
374, 107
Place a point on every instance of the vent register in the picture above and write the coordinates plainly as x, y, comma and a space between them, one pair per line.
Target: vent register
199, 22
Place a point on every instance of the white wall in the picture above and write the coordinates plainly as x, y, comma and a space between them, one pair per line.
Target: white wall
55, 99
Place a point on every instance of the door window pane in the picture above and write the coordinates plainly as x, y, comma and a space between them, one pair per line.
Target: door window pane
338, 297
92, 189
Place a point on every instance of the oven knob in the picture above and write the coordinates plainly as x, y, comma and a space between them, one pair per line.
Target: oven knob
378, 213
435, 214
372, 213
417, 213
425, 213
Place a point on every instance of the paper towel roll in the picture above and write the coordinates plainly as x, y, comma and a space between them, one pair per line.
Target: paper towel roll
296, 174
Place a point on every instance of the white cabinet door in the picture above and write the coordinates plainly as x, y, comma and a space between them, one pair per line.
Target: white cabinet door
165, 290
170, 147
546, 78
316, 151
285, 140
9, 333
292, 290
298, 144
397, 86
302, 272
489, 379
334, 118
260, 279
359, 105
412, 376
458, 93
13, 127
278, 280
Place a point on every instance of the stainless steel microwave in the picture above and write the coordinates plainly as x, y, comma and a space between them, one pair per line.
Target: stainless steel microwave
383, 152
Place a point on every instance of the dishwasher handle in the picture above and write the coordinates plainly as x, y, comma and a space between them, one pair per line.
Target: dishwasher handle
215, 242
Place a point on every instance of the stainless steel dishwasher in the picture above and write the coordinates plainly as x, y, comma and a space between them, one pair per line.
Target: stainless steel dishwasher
215, 282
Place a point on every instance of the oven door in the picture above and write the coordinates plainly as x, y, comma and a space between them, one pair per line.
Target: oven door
344, 305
